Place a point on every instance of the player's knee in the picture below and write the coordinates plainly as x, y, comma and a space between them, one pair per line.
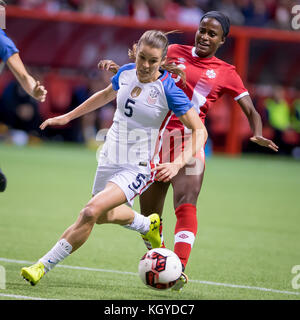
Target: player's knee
88, 214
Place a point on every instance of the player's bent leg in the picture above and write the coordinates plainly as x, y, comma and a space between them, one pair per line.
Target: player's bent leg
112, 196
77, 233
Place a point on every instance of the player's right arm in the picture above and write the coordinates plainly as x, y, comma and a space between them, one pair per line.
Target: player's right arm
235, 87
10, 55
28, 83
255, 123
97, 100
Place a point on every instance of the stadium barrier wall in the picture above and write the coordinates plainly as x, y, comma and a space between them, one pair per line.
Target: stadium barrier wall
71, 40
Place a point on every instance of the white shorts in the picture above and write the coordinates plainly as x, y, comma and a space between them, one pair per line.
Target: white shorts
132, 179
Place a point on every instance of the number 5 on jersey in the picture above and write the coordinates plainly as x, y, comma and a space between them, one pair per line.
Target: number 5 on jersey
128, 107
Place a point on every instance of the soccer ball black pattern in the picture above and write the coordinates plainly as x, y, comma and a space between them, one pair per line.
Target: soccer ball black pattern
160, 268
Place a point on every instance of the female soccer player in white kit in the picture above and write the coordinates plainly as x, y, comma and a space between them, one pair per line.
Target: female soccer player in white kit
146, 99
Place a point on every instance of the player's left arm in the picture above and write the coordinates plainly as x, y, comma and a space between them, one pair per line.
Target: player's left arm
191, 119
28, 83
255, 123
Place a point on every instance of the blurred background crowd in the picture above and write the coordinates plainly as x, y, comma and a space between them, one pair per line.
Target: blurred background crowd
267, 13
273, 77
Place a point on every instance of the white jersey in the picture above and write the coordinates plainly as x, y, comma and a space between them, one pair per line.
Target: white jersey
143, 111
134, 140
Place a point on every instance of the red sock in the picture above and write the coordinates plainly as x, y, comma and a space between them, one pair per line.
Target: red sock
185, 231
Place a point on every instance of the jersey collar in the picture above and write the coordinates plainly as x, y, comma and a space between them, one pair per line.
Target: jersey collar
194, 54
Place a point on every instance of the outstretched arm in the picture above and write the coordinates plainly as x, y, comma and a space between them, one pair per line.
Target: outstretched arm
255, 123
28, 83
97, 100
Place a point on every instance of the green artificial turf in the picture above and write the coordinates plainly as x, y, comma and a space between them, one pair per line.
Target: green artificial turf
248, 229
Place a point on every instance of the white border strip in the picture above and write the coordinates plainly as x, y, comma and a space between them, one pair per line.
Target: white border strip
135, 274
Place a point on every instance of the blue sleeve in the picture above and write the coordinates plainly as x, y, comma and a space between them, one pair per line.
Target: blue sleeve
7, 47
115, 78
177, 100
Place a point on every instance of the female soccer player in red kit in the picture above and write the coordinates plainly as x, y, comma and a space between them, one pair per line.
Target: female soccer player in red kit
207, 79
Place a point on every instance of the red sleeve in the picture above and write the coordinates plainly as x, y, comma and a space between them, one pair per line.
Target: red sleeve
233, 84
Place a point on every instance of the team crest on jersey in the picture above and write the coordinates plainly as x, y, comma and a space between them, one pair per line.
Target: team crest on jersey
153, 95
211, 74
136, 91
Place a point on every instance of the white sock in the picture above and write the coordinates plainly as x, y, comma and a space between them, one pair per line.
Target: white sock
58, 253
140, 223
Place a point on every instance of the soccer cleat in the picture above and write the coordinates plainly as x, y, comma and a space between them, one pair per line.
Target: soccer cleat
148, 243
181, 282
153, 235
34, 273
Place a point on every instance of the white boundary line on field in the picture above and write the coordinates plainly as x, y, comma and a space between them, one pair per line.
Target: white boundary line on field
69, 267
244, 287
135, 274
15, 296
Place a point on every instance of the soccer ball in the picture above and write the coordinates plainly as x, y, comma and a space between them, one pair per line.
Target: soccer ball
160, 268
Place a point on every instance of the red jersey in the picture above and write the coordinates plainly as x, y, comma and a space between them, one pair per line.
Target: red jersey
206, 80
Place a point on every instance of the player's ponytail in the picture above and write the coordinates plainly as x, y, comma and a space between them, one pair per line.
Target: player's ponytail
157, 39
132, 52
